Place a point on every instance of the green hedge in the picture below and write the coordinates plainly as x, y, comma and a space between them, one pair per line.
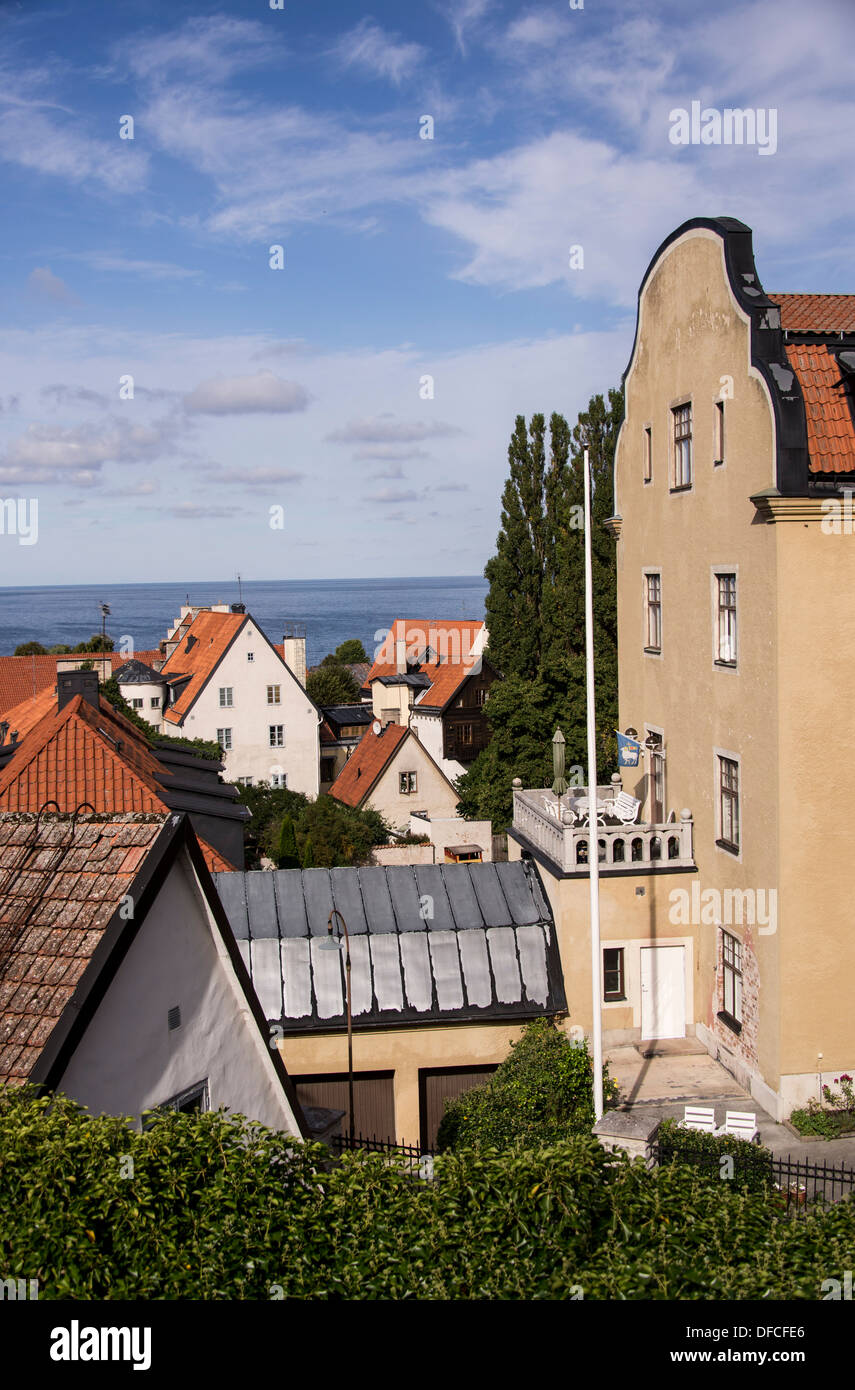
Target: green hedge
750, 1165
219, 1209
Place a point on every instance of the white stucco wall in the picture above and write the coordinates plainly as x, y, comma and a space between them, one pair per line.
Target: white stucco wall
250, 716
147, 693
429, 729
454, 830
129, 1060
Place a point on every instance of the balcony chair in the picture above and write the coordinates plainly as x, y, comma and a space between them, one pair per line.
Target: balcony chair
699, 1117
624, 808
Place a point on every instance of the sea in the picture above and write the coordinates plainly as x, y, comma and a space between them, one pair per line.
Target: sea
331, 610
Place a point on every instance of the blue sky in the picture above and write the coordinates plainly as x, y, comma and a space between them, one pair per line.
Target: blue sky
300, 388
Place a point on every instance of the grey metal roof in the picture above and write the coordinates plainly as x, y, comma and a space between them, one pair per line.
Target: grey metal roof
137, 673
488, 951
349, 714
417, 679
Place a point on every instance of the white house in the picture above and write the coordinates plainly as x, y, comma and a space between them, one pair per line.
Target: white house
142, 999
230, 685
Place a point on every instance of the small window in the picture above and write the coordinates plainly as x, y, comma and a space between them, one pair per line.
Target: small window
465, 734
653, 612
137, 704
407, 783
244, 781
273, 694
731, 962
226, 696
277, 735
279, 780
719, 433
250, 656
480, 694
327, 769
224, 738
193, 1101
725, 653
647, 447
729, 804
155, 702
613, 976
681, 476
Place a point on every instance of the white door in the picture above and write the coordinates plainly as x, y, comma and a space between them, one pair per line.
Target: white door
663, 992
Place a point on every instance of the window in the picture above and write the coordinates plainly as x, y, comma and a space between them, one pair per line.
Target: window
224, 738
155, 702
731, 962
250, 656
226, 694
137, 704
277, 735
613, 977
719, 434
725, 653
465, 734
647, 447
244, 781
327, 769
653, 612
729, 803
657, 780
480, 694
682, 463
273, 694
278, 779
192, 1101
407, 783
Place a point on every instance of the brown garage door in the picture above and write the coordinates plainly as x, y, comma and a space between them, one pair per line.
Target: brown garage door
373, 1100
435, 1087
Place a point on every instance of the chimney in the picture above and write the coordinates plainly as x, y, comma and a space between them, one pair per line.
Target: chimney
294, 648
400, 657
71, 683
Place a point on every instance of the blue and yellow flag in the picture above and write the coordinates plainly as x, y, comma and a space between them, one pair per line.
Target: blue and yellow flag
629, 750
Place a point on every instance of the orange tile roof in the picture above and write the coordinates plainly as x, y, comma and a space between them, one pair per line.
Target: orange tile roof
86, 755
371, 755
830, 429
451, 639
816, 313
22, 677
30, 711
214, 633
58, 891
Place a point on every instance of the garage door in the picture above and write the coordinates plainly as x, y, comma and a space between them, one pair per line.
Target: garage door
435, 1087
373, 1100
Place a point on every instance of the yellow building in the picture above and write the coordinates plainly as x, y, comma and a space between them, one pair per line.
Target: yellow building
735, 567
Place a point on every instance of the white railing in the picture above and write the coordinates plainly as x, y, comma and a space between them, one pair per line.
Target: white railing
622, 848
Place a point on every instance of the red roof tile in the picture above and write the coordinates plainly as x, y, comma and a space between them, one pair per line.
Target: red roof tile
213, 634
371, 755
450, 639
816, 313
40, 873
23, 677
830, 431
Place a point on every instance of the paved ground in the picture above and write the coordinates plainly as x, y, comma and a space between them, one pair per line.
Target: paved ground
682, 1073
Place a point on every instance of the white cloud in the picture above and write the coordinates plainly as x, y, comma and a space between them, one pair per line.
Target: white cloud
391, 494
256, 477
246, 395
42, 281
382, 429
58, 145
76, 454
462, 15
150, 270
375, 51
211, 47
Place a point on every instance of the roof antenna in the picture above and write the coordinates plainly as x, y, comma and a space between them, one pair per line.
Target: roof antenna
240, 590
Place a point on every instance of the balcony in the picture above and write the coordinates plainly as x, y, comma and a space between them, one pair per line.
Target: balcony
623, 849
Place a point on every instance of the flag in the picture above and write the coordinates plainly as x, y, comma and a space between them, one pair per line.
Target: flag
629, 750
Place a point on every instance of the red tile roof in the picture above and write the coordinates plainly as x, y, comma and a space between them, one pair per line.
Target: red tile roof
83, 754
59, 889
370, 757
816, 313
214, 634
830, 430
450, 639
22, 677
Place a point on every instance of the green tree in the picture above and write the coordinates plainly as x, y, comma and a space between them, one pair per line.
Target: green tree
536, 610
332, 685
59, 650
30, 649
350, 651
287, 856
96, 643
308, 854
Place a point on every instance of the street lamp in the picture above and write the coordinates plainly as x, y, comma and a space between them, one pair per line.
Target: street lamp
333, 943
105, 613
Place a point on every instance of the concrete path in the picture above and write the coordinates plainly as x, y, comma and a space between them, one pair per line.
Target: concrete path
682, 1073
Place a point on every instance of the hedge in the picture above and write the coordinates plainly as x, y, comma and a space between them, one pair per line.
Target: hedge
217, 1208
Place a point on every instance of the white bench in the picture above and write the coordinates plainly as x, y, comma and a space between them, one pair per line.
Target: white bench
740, 1124
625, 808
698, 1117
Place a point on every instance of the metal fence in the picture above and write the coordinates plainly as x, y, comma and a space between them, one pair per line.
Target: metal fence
411, 1157
797, 1184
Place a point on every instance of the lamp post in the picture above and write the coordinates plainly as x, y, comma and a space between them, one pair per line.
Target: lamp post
105, 613
593, 832
333, 943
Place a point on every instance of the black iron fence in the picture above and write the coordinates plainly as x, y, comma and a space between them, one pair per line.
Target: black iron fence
342, 1143
796, 1183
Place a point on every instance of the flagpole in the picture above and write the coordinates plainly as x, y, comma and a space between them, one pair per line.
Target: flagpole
593, 836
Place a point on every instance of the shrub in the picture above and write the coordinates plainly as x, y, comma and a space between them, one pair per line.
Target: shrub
351, 651
751, 1163
30, 649
332, 684
541, 1093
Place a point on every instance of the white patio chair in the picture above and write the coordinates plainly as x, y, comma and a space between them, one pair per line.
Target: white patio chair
698, 1117
739, 1124
625, 808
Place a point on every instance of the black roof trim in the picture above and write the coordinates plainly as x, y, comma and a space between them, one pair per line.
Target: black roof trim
767, 345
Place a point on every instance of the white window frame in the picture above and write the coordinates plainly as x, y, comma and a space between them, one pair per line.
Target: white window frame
250, 656
276, 735
647, 575
732, 975
137, 703
274, 694
279, 780
155, 702
682, 462
412, 783
647, 455
226, 697
733, 850
719, 573
224, 739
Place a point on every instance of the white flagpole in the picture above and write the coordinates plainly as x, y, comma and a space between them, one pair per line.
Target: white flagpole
593, 836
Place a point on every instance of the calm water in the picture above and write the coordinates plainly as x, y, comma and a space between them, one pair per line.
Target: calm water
331, 609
